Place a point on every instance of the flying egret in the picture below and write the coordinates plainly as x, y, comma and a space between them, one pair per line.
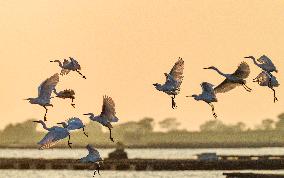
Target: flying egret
54, 135
207, 95
266, 79
92, 157
66, 94
44, 93
264, 63
233, 80
107, 115
74, 123
68, 66
173, 81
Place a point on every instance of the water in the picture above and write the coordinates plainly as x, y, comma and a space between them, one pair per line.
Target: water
132, 153
118, 174
137, 153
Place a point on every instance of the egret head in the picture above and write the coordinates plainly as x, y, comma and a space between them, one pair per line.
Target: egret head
249, 57
55, 61
194, 96
211, 67
63, 124
89, 114
39, 121
31, 100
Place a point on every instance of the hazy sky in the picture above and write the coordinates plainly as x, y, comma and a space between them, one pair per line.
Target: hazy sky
126, 46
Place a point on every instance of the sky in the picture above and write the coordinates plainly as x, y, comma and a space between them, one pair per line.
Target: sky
126, 46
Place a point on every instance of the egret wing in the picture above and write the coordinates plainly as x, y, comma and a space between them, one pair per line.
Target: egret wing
52, 138
177, 71
225, 86
263, 79
74, 123
265, 60
47, 86
68, 93
243, 71
207, 87
108, 109
75, 64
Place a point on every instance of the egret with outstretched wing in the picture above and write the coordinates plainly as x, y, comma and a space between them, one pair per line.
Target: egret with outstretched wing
44, 93
233, 80
173, 81
207, 95
107, 115
54, 135
69, 65
92, 157
266, 79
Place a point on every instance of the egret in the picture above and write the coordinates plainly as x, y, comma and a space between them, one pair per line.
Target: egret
266, 79
173, 81
68, 93
207, 95
107, 115
233, 80
264, 63
74, 123
92, 157
44, 93
68, 66
54, 135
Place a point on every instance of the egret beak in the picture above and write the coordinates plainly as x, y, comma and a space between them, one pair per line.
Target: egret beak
249, 57
26, 99
206, 68
87, 114
188, 96
60, 123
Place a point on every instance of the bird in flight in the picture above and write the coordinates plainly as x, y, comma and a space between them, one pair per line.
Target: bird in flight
207, 95
44, 93
265, 64
54, 135
68, 93
266, 79
107, 114
92, 157
74, 123
69, 65
233, 80
173, 81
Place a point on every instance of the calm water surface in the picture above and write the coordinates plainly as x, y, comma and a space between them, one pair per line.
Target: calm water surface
132, 153
118, 174
136, 153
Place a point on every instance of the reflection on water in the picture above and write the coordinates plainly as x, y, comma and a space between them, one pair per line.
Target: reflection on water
118, 174
136, 153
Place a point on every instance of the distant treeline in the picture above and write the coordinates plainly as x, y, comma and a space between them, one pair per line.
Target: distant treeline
141, 134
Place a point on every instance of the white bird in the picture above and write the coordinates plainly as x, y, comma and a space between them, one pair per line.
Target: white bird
107, 115
44, 93
173, 81
68, 66
207, 95
54, 135
264, 63
266, 79
233, 80
74, 123
92, 157
69, 93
